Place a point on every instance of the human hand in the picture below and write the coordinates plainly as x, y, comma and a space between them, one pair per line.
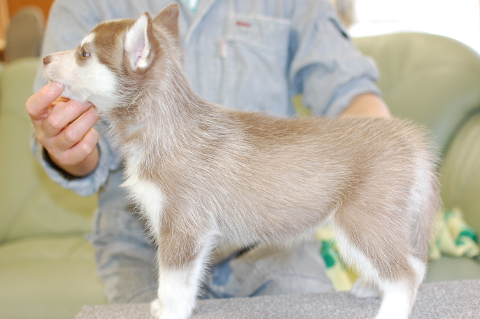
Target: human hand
65, 129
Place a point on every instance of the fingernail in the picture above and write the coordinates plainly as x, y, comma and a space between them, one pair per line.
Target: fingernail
55, 87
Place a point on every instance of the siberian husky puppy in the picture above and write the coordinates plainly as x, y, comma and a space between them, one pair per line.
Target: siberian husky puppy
204, 175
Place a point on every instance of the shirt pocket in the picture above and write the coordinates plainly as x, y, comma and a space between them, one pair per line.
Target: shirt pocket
255, 54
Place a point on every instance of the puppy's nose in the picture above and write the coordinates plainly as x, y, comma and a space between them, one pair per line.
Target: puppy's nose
47, 60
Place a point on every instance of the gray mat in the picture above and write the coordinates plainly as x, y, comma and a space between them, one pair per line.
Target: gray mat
452, 300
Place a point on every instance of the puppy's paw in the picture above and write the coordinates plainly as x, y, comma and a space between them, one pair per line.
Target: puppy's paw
362, 289
156, 309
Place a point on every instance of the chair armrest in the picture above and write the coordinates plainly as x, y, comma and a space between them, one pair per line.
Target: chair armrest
461, 172
16, 85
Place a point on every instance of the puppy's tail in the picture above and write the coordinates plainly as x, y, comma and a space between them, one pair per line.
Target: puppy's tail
426, 204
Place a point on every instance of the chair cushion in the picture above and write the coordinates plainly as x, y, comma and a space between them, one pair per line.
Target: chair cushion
48, 277
453, 268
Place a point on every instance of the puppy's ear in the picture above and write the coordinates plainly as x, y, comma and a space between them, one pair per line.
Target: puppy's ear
168, 18
138, 45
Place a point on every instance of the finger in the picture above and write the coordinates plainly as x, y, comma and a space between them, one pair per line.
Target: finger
76, 130
37, 105
62, 115
80, 151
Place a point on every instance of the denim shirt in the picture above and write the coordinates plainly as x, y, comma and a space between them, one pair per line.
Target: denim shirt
251, 55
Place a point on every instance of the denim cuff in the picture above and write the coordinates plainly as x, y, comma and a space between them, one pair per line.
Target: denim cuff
346, 94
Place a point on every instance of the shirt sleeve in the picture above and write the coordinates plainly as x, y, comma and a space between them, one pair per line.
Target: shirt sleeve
69, 22
325, 65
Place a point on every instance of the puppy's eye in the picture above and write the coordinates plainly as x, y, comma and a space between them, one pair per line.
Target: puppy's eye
85, 54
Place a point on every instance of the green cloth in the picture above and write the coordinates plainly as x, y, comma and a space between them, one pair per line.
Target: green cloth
336, 270
453, 237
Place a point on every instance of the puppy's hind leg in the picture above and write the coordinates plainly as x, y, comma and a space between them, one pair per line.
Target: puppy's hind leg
399, 294
382, 256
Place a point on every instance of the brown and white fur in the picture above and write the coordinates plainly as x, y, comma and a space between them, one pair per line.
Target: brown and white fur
204, 175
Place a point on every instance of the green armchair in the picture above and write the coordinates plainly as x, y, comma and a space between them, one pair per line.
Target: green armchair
47, 267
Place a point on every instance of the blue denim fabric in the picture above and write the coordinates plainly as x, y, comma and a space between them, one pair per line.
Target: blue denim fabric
266, 270
251, 55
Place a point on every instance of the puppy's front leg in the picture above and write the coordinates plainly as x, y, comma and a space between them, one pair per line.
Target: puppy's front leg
181, 260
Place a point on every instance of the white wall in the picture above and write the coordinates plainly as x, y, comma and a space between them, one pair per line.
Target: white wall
459, 19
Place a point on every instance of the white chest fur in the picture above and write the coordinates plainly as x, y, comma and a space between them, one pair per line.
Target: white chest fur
144, 193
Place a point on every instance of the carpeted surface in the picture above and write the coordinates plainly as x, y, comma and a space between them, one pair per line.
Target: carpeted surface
450, 300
